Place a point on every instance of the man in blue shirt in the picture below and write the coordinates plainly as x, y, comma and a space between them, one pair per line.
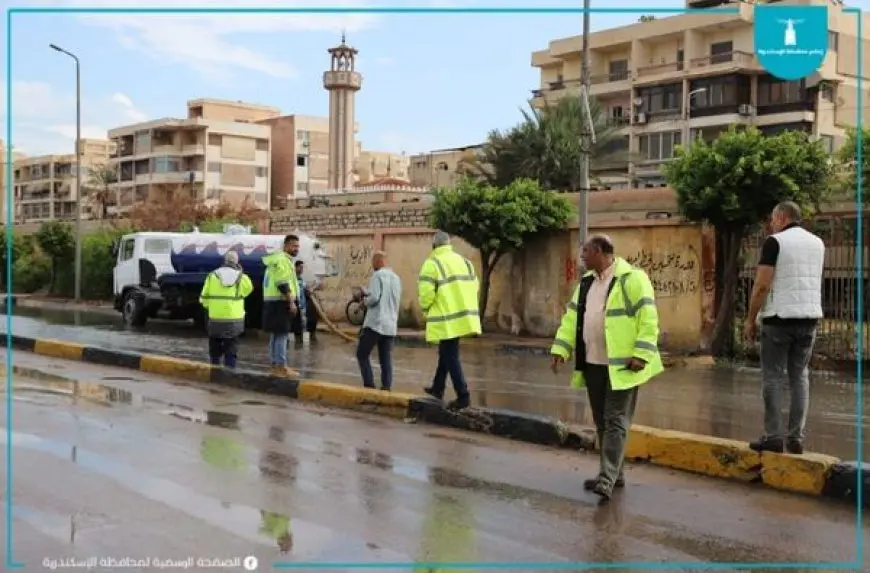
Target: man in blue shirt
307, 314
381, 301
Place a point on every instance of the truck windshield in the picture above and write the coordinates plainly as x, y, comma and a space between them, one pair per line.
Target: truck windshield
157, 246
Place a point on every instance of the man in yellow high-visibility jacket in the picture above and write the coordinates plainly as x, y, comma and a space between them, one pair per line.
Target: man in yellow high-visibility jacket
447, 292
223, 296
611, 327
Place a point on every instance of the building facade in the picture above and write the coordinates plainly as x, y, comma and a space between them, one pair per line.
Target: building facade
218, 153
45, 186
442, 167
300, 157
667, 81
371, 166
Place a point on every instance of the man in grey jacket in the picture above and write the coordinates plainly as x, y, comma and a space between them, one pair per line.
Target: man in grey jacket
381, 301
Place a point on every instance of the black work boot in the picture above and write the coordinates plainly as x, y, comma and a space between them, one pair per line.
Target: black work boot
794, 446
767, 444
603, 491
431, 391
461, 403
589, 484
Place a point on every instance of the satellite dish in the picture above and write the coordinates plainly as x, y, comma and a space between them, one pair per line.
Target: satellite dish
638, 101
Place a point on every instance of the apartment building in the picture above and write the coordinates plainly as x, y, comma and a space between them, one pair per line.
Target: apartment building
218, 152
5, 169
442, 167
667, 81
300, 157
45, 186
372, 166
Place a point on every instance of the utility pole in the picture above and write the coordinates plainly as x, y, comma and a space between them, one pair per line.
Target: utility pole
78, 164
588, 134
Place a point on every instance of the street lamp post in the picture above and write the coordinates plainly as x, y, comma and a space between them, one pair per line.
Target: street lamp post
78, 154
587, 134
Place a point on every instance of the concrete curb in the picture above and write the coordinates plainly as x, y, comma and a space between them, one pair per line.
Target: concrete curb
812, 474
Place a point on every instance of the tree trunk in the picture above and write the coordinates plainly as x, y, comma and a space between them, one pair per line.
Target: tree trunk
488, 261
723, 327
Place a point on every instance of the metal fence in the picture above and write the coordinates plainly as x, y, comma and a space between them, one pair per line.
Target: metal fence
837, 340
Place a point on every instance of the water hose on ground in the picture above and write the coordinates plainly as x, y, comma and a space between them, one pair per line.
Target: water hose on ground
329, 324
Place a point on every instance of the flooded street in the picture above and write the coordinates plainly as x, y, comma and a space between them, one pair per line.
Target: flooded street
135, 466
721, 402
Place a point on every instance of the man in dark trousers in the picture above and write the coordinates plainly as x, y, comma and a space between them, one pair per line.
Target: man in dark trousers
787, 295
307, 314
611, 327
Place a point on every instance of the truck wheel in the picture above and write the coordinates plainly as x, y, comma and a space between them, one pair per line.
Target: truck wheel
134, 309
355, 313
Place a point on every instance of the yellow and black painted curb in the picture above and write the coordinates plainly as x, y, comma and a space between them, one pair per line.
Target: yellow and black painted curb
813, 474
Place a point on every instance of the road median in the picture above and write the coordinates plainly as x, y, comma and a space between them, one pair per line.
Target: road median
811, 474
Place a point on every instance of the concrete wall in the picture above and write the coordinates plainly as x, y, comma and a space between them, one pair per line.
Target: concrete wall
529, 289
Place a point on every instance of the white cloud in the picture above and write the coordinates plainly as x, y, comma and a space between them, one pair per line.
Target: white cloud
43, 117
204, 42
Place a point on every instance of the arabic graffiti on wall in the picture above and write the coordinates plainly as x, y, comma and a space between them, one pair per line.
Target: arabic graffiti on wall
672, 274
353, 263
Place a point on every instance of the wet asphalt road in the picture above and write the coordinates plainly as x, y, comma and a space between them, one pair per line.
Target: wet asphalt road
129, 465
721, 402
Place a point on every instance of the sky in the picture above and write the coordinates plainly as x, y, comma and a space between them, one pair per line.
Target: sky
429, 81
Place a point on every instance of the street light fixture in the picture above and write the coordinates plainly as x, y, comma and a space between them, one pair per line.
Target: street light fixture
78, 155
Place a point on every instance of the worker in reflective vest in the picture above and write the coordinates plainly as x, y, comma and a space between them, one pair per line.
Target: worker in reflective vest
448, 294
223, 297
611, 327
280, 303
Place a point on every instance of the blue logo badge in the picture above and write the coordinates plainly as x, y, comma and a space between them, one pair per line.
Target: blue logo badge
791, 41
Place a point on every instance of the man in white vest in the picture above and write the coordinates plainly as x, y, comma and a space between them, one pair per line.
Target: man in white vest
788, 298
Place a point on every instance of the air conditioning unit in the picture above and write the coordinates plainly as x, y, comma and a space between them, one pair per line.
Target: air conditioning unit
745, 109
640, 118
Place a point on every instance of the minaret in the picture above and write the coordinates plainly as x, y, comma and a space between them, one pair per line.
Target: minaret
342, 82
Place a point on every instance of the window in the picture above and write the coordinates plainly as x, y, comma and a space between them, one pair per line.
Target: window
828, 142
262, 145
214, 167
720, 52
302, 186
260, 198
833, 41
659, 146
157, 246
260, 171
661, 99
215, 139
303, 135
618, 70
772, 91
301, 161
127, 249
681, 56
166, 165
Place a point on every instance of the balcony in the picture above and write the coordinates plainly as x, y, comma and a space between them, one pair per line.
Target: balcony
612, 82
650, 73
718, 63
178, 177
165, 149
193, 149
617, 122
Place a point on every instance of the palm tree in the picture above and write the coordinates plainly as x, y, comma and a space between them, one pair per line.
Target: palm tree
100, 177
546, 146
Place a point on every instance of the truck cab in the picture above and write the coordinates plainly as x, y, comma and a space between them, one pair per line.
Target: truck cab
160, 275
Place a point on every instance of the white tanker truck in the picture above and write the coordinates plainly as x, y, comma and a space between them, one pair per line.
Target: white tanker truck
160, 275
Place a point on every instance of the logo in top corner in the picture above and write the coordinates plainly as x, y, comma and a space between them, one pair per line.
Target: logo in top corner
791, 42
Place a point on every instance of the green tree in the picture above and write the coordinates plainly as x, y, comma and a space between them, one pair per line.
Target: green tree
22, 245
100, 178
848, 158
646, 18
734, 183
546, 146
56, 241
496, 220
